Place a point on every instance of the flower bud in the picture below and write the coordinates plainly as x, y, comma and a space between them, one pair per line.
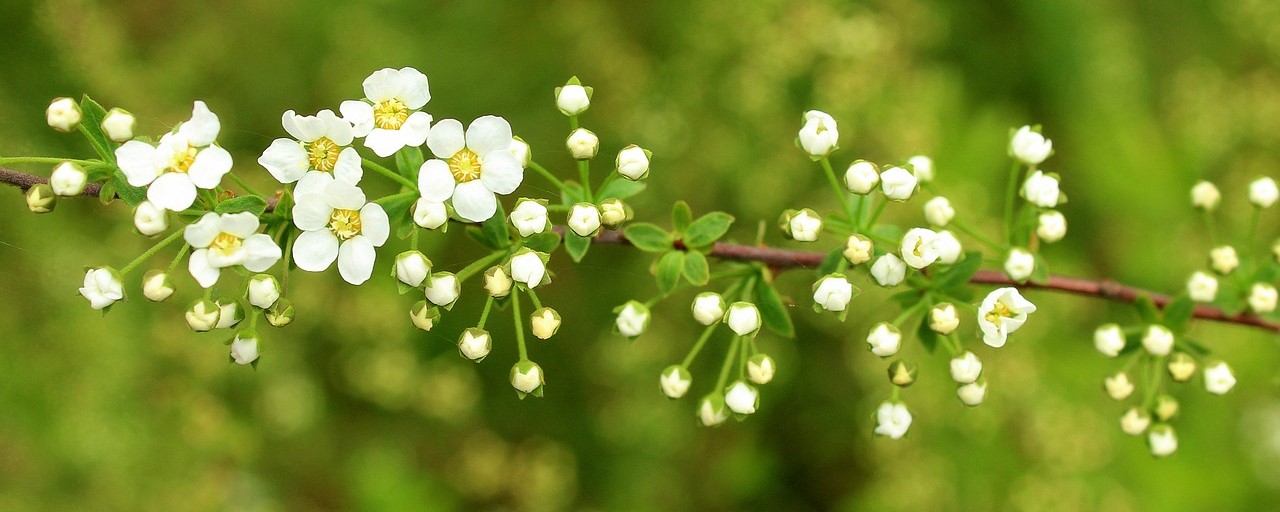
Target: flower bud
497, 282
1262, 298
63, 114
584, 219
888, 270
475, 343
582, 144
244, 348
966, 368
281, 313
412, 268
742, 398
1135, 421
818, 137
708, 308
1158, 340
520, 149
1052, 226
573, 99
264, 291
1205, 196
1041, 190
527, 378
1118, 386
633, 162
1218, 378
429, 214
833, 293
118, 124
1020, 264
613, 212
712, 410
442, 289
944, 319
897, 183
529, 268
938, 211
1109, 340
802, 226
1181, 366
923, 167
633, 319
862, 177
973, 393
1202, 287
41, 199
544, 323
903, 374
1029, 146
149, 219
229, 314
884, 339
157, 285
760, 369
858, 249
918, 249
1166, 407
675, 381
948, 247
102, 287
1162, 440
202, 315
1263, 192
1223, 259
424, 315
68, 179
529, 217
892, 420
743, 319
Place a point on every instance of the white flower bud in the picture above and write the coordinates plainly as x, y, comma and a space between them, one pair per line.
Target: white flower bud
833, 292
1020, 264
633, 319
902, 373
202, 315
1109, 340
584, 219
229, 314
966, 368
802, 226
633, 162
573, 98
149, 219
244, 348
423, 315
973, 393
742, 398
1135, 421
892, 420
429, 214
760, 369
1263, 192
1202, 287
412, 268
708, 308
497, 282
1181, 366
529, 217
888, 270
743, 318
862, 177
118, 124
442, 289
1205, 196
527, 378
1262, 298
917, 247
281, 313
68, 179
884, 339
1029, 146
923, 167
614, 212
1166, 407
102, 287
1118, 386
1158, 340
528, 268
582, 144
1218, 378
858, 249
41, 199
1162, 440
897, 183
948, 246
944, 319
675, 381
520, 149
1041, 190
475, 344
544, 323
1052, 226
818, 137
264, 291
938, 211
157, 285
712, 410
1223, 259
63, 114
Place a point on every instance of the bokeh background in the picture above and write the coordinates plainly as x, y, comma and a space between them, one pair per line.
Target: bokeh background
354, 409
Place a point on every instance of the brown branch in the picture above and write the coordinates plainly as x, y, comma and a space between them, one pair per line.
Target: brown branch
790, 258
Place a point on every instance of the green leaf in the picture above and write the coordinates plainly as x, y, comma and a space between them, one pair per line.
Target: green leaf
696, 270
772, 310
620, 189
1178, 312
648, 237
252, 204
99, 172
92, 115
495, 229
130, 194
1196, 346
906, 299
887, 232
398, 215
408, 161
681, 216
1147, 309
571, 194
479, 235
543, 242
108, 192
576, 246
960, 273
707, 229
928, 338
831, 262
669, 269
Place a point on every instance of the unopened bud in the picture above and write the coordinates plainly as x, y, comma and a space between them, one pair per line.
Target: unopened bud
902, 374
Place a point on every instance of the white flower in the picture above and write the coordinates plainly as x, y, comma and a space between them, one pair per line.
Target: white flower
443, 289
1158, 340
63, 114
804, 225
888, 270
944, 318
938, 211
884, 339
892, 420
68, 179
227, 240
389, 120
264, 291
948, 247
966, 368
202, 315
1202, 287
1205, 196
229, 314
923, 167
1052, 226
527, 267
526, 377
1020, 264
712, 411
475, 344
1041, 190
1135, 421
412, 268
818, 136
897, 183
1029, 147
183, 161
244, 348
973, 393
1262, 298
118, 124
708, 308
760, 369
102, 287
917, 248
1163, 440
1218, 378
430, 214
633, 162
497, 282
613, 212
833, 292
317, 154
858, 249
573, 98
675, 381
742, 398
1263, 192
633, 319
529, 217
1118, 386
584, 219
1181, 366
544, 323
1223, 259
1002, 312
520, 149
339, 224
583, 144
157, 285
743, 318
470, 166
862, 177
150, 220
1109, 340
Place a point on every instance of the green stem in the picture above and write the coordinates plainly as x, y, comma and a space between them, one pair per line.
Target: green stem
1252, 238
378, 168
479, 265
245, 186
841, 195
173, 237
906, 313
547, 174
43, 160
1208, 224
533, 297
484, 316
515, 308
178, 258
288, 262
875, 216
584, 173
413, 238
387, 199
729, 358
697, 346
1011, 195
976, 235
103, 151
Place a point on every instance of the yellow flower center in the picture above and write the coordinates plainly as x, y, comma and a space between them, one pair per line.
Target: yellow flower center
345, 224
390, 114
323, 154
182, 160
226, 243
465, 166
998, 312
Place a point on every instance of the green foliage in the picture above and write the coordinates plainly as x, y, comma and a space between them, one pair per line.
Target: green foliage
773, 311
251, 204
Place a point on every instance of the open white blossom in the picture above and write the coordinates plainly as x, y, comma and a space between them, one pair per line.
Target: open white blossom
183, 160
1029, 146
966, 368
388, 118
675, 381
938, 211
1205, 196
102, 287
1052, 226
884, 339
1109, 340
708, 308
888, 270
833, 292
1218, 378
818, 136
1262, 298
1001, 313
892, 420
743, 318
471, 166
339, 224
742, 398
529, 217
1041, 190
1202, 287
1223, 259
1020, 264
318, 153
862, 177
1158, 340
226, 240
897, 183
918, 249
923, 167
1263, 192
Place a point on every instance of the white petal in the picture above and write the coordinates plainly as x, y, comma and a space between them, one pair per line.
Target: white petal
435, 182
414, 90
384, 142
355, 260
313, 182
446, 138
137, 160
336, 129
374, 224
359, 114
314, 251
349, 167
261, 252
488, 134
172, 191
206, 275
240, 224
474, 202
285, 160
290, 123
311, 212
383, 84
310, 128
501, 172
220, 259
211, 164
202, 128
343, 195
415, 129
201, 233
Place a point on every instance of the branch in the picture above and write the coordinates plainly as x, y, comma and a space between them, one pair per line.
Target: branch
790, 258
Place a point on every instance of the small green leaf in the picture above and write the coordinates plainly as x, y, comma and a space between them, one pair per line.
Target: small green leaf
906, 299
772, 310
620, 189
572, 194
479, 235
960, 273
928, 338
648, 237
1178, 312
251, 204
1196, 346
108, 192
668, 270
681, 216
887, 232
576, 246
131, 195
92, 115
495, 229
408, 161
99, 172
696, 270
543, 242
831, 262
707, 229
1147, 309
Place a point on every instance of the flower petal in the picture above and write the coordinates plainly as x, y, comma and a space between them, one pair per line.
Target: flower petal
488, 134
346, 196
201, 233
314, 251
435, 182
414, 90
374, 224
415, 129
336, 129
240, 224
172, 191
310, 128
211, 164
311, 212
223, 259
202, 128
355, 260
349, 167
501, 172
290, 123
261, 252
285, 160
474, 202
446, 138
383, 84
137, 160
204, 273
359, 114
313, 182
384, 142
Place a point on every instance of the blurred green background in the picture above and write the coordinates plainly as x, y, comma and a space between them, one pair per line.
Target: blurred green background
354, 409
